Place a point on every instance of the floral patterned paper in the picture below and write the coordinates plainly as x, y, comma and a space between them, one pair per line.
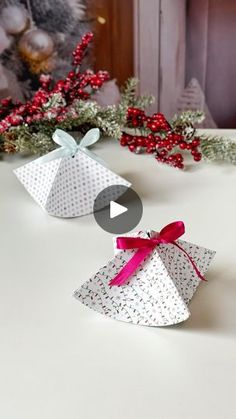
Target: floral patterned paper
157, 294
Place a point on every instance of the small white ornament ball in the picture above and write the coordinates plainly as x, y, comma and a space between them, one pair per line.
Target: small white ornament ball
14, 19
36, 45
4, 40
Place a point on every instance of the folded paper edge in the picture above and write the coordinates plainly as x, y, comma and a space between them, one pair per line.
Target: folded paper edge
77, 297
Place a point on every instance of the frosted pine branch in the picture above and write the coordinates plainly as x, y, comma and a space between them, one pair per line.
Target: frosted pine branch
218, 148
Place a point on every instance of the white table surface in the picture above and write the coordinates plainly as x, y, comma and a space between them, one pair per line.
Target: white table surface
60, 360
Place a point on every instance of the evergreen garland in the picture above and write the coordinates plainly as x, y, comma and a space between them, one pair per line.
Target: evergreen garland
213, 147
218, 148
68, 104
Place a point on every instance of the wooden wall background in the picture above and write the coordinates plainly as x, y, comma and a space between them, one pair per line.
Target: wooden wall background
160, 50
211, 55
167, 42
113, 25
147, 47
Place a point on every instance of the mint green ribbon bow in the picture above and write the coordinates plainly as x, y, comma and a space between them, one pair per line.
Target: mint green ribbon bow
69, 147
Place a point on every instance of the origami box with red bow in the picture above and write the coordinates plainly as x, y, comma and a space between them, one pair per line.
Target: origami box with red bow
157, 279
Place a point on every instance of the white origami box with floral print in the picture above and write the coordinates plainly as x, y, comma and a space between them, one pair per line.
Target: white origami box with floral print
66, 181
158, 291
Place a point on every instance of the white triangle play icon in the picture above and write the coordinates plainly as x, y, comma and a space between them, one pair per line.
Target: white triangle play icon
116, 209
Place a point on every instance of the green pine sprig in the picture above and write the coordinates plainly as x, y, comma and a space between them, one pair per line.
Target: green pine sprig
219, 148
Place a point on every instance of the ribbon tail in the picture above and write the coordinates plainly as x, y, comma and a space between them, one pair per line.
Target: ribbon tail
53, 155
92, 155
192, 262
130, 267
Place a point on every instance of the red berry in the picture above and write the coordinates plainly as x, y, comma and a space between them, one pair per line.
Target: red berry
159, 144
150, 150
132, 147
183, 145
196, 142
134, 122
123, 142
163, 153
197, 157
150, 137
179, 157
177, 138
139, 141
159, 116
6, 101
153, 127
71, 74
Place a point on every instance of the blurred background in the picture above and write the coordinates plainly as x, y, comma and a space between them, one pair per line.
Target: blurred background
183, 51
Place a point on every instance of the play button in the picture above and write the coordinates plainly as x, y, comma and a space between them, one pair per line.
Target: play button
118, 209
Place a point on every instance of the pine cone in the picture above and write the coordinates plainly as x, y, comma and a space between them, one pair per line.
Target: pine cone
9, 145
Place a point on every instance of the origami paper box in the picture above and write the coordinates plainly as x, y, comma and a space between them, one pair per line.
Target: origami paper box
66, 181
158, 293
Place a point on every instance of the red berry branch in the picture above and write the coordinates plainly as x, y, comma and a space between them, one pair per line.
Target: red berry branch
76, 85
29, 126
160, 139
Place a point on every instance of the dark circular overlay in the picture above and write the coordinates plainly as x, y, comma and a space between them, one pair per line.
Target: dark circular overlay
121, 195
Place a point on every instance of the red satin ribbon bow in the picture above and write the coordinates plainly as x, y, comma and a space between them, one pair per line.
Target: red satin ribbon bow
167, 235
